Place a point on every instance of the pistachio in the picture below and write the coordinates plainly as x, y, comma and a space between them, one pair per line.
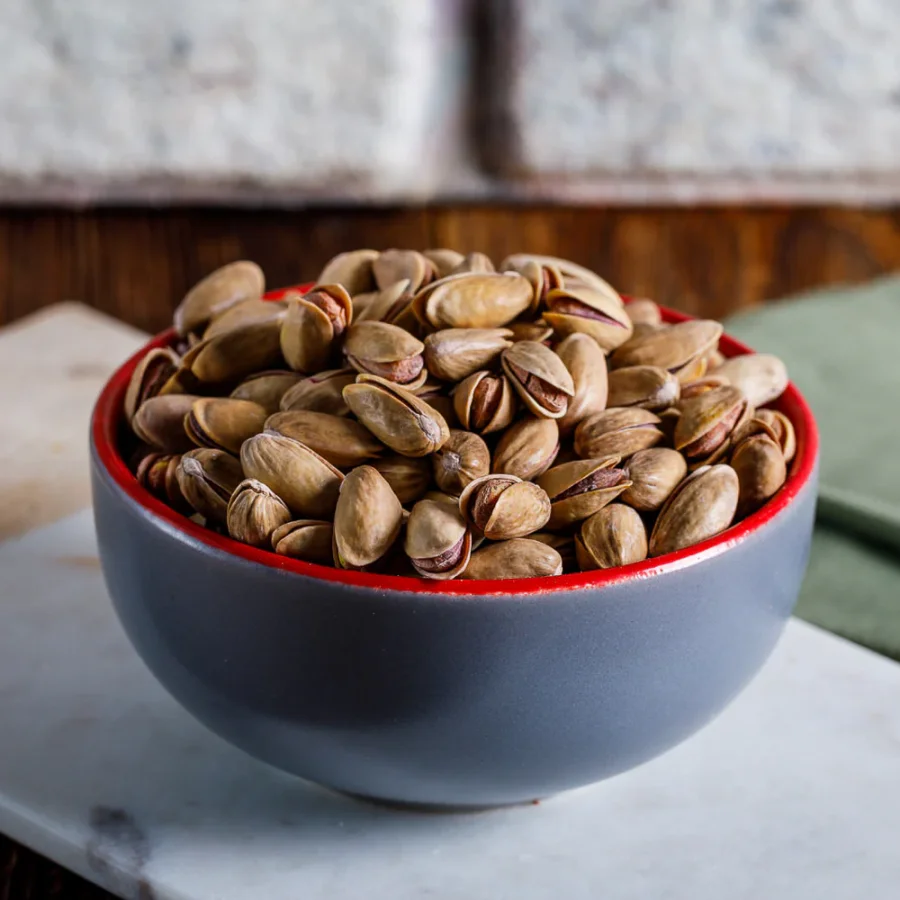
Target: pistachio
586, 363
760, 376
701, 385
646, 386
714, 358
673, 347
411, 266
342, 441
455, 353
207, 479
367, 519
306, 539
254, 512
438, 542
386, 305
707, 420
702, 506
487, 300
462, 459
484, 402
379, 348
437, 395
217, 292
234, 354
642, 311
353, 270
408, 477
254, 309
563, 544
617, 431
443, 260
527, 448
654, 474
539, 377
571, 272
501, 507
782, 428
266, 388
517, 558
578, 489
544, 277
761, 471
158, 473
148, 378
474, 263
307, 483
396, 417
222, 423
312, 324
572, 310
613, 536
538, 331
159, 422
320, 393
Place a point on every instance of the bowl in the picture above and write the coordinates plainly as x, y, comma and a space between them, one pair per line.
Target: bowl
455, 694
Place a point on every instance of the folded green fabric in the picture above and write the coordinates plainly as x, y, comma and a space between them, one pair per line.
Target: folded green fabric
841, 350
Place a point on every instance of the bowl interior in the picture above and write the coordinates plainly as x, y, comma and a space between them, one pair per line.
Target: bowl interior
107, 427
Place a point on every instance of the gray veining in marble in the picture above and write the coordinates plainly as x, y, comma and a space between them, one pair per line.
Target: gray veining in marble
793, 793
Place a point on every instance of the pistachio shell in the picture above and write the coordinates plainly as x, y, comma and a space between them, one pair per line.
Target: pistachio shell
342, 441
306, 539
571, 272
654, 474
382, 306
353, 270
669, 348
646, 386
386, 350
157, 472
538, 331
159, 422
642, 311
453, 354
617, 431
236, 353
411, 266
367, 519
484, 402
542, 277
312, 324
707, 420
307, 483
462, 459
397, 417
761, 471
701, 385
527, 448
613, 536
155, 368
438, 542
266, 388
207, 479
254, 309
760, 376
702, 506
488, 300
408, 477
254, 512
474, 263
783, 429
573, 310
320, 393
217, 292
586, 363
443, 260
517, 558
222, 423
501, 507
578, 489
563, 544
540, 378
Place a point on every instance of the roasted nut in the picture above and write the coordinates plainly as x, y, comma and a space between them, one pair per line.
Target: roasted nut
572, 310
148, 378
159, 422
232, 355
386, 350
438, 542
761, 377
675, 347
254, 512
216, 293
706, 422
642, 311
488, 300
266, 388
544, 277
343, 442
320, 393
207, 479
474, 263
455, 353
617, 432
443, 260
646, 386
484, 402
383, 306
654, 474
312, 325
783, 430
578, 489
572, 273
158, 473
540, 378
353, 270
411, 266
586, 363
538, 331
501, 507
613, 536
255, 309
462, 459
306, 539
222, 423
517, 558
408, 477
367, 519
761, 471
527, 448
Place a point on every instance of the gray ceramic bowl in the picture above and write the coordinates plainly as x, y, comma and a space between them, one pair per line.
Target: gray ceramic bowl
449, 694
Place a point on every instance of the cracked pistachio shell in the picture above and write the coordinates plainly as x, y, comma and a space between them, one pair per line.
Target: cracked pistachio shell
570, 271
701, 385
484, 402
436, 395
207, 479
382, 306
707, 420
671, 347
159, 422
217, 292
474, 264
586, 363
320, 393
379, 348
256, 309
254, 512
702, 506
572, 310
489, 300
438, 543
453, 354
783, 430
222, 423
642, 311
306, 539
234, 354
646, 386
443, 260
411, 266
353, 270
578, 489
654, 474
539, 377
538, 331
543, 277
761, 471
613, 536
409, 477
312, 325
617, 431
154, 370
343, 442
266, 388
397, 417
462, 459
563, 544
158, 473
307, 483
517, 558
527, 448
502, 507
367, 519
761, 376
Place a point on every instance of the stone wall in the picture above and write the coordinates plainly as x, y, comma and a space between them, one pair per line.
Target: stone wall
295, 101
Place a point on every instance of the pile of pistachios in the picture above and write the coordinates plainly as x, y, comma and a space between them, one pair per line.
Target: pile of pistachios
431, 414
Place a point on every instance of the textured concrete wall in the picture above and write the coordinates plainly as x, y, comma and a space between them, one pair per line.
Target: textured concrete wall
290, 101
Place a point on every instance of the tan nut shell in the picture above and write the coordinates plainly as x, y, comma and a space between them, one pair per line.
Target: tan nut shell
537, 361
342, 441
669, 348
207, 479
220, 289
223, 423
462, 459
320, 393
561, 478
409, 477
368, 345
464, 399
352, 269
761, 471
517, 558
603, 317
254, 512
307, 333
306, 539
266, 388
488, 300
455, 353
367, 519
617, 431
255, 309
234, 354
646, 386
761, 376
586, 363
152, 372
613, 536
654, 474
527, 448
438, 542
159, 422
519, 509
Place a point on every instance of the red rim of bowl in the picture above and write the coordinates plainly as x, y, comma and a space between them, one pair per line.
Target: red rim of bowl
107, 417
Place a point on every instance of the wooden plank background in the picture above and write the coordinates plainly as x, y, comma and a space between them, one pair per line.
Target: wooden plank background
136, 264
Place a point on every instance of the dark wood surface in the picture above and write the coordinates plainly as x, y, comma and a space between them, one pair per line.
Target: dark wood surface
136, 264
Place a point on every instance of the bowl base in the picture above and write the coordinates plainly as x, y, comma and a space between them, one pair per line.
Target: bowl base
439, 808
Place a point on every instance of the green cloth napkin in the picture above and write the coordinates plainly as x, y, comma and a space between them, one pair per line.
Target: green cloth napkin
842, 349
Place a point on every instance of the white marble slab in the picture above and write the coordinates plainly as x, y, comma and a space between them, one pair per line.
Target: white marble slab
792, 793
